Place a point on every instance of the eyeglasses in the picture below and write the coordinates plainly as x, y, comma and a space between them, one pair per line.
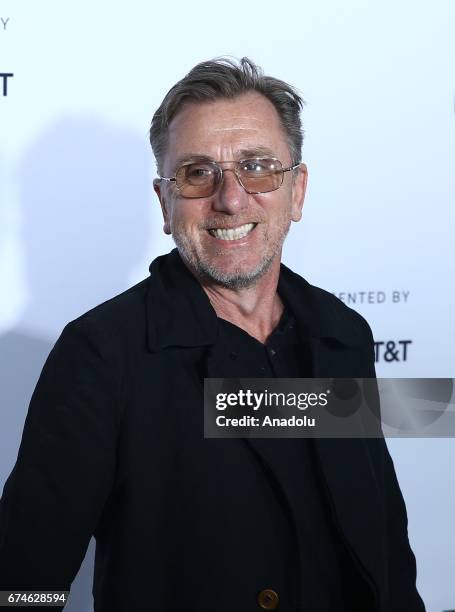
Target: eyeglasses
202, 179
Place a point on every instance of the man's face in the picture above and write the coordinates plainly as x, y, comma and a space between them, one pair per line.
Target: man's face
226, 130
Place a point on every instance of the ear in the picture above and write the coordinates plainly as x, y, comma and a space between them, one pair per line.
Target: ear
298, 191
160, 194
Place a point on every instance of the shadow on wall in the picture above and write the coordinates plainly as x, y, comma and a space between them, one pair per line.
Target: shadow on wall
85, 192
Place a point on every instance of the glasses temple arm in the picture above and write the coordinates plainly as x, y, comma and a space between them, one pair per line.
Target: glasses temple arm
291, 167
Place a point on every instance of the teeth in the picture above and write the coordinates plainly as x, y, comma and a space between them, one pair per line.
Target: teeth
233, 234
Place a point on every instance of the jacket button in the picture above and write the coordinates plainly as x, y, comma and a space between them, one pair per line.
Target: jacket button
268, 599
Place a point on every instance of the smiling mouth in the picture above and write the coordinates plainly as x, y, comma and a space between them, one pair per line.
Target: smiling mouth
234, 233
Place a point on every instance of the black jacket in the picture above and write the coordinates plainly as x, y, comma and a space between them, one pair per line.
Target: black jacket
113, 446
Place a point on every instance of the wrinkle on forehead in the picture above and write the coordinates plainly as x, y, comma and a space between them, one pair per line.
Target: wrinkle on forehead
233, 129
229, 154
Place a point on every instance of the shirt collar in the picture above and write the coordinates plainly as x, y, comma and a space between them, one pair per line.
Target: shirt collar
179, 312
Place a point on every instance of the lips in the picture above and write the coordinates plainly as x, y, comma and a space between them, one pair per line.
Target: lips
232, 233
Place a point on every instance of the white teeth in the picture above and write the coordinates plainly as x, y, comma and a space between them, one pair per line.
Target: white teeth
233, 234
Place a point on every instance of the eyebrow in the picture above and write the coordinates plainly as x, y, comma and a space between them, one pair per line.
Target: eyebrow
258, 151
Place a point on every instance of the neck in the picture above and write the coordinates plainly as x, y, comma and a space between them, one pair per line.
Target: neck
255, 309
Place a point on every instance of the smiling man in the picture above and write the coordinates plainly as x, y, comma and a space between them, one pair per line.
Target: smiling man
113, 444
229, 205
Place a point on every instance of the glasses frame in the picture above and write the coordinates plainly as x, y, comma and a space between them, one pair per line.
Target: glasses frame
235, 170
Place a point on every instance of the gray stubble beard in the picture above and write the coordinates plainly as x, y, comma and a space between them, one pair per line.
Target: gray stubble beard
208, 272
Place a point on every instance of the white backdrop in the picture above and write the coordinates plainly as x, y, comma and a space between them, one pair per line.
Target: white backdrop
79, 221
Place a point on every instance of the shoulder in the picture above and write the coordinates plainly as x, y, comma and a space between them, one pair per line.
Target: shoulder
327, 315
115, 321
346, 316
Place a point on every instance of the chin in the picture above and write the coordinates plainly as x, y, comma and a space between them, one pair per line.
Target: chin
234, 276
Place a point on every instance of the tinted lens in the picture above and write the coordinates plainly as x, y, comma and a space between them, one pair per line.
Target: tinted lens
261, 175
197, 180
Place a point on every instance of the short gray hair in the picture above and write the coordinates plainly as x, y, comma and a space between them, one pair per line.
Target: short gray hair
226, 78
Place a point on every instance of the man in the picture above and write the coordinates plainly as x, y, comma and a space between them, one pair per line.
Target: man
113, 442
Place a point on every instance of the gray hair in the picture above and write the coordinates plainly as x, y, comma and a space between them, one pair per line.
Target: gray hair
225, 78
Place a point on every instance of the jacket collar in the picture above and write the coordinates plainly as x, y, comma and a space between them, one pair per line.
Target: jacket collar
179, 312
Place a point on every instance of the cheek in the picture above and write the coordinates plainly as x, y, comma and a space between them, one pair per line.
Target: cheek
186, 217
279, 210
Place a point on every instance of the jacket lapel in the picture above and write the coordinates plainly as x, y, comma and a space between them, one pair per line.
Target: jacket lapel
340, 349
347, 473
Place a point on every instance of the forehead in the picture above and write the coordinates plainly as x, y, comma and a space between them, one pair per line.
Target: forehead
225, 126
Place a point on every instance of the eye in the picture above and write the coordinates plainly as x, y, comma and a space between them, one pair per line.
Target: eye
199, 171
252, 166
257, 166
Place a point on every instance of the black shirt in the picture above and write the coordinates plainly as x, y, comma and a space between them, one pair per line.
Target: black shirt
282, 355
313, 551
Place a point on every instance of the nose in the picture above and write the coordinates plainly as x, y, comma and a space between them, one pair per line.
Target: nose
231, 197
